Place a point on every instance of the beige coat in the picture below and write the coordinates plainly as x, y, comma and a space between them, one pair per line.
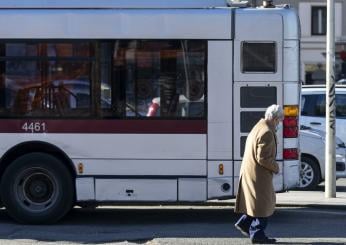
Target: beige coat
256, 196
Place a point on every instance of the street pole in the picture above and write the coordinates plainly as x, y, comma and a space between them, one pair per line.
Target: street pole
330, 181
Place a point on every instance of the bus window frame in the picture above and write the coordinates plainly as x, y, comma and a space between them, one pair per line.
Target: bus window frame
96, 111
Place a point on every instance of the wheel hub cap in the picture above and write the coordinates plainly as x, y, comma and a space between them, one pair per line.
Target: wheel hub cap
306, 175
38, 188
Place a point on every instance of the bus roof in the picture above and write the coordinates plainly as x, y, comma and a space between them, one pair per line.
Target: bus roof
95, 4
213, 23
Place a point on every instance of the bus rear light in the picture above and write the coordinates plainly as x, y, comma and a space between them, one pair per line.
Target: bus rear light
291, 132
290, 122
291, 154
291, 110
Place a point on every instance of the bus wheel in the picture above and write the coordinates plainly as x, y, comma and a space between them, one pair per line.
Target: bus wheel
309, 174
37, 189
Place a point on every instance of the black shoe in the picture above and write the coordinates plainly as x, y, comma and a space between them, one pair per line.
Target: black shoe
243, 231
265, 240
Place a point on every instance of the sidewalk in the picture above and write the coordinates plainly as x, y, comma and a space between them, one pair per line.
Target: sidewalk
314, 198
297, 198
310, 198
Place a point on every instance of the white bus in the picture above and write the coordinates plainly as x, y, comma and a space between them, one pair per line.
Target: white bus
139, 101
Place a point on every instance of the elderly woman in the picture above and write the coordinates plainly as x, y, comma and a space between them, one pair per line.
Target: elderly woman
256, 196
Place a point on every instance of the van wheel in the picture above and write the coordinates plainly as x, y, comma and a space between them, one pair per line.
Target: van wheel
37, 189
309, 174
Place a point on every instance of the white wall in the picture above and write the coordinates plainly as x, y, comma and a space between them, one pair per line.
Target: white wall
314, 46
305, 20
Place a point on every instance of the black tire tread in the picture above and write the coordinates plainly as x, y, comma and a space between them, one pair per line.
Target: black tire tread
65, 181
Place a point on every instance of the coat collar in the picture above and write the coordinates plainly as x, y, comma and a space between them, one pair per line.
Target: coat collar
271, 127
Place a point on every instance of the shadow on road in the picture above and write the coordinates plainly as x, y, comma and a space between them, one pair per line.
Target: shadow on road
140, 225
313, 243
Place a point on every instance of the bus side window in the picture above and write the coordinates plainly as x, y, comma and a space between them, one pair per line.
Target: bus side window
37, 102
61, 99
159, 75
21, 102
258, 57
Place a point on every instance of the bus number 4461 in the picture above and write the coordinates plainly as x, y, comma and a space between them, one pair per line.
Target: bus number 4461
34, 127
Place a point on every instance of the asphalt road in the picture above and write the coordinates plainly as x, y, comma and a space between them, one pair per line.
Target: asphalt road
166, 225
178, 225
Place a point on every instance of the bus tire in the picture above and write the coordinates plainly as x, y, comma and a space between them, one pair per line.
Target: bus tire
37, 188
309, 174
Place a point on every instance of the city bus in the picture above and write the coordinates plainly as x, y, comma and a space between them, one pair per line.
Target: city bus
105, 103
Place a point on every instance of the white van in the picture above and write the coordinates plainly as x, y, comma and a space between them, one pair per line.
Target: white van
313, 108
312, 145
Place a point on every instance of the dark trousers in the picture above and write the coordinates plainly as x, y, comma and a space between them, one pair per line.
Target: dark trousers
255, 226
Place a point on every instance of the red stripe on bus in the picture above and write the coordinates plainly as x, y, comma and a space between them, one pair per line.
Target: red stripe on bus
103, 126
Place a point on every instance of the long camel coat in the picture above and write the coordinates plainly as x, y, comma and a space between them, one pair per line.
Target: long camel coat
256, 195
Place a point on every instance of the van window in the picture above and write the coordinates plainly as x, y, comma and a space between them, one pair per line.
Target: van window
314, 105
340, 105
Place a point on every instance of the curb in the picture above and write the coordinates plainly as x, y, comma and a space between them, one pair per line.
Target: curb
298, 205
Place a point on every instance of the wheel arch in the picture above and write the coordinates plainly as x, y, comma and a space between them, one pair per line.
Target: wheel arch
313, 158
35, 146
